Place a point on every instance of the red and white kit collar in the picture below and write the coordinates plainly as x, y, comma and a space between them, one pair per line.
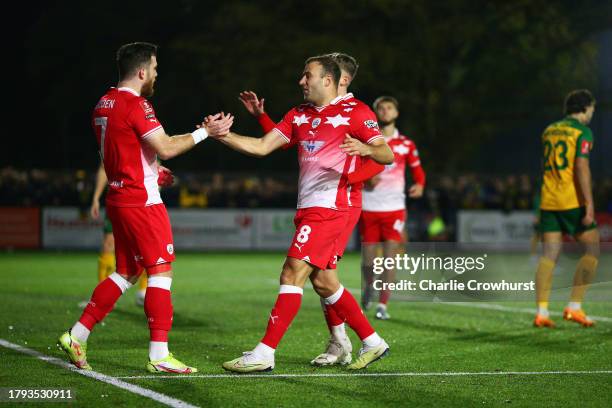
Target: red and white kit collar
395, 135
128, 89
334, 101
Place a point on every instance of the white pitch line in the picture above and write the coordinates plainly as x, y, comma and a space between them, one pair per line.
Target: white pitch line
135, 389
327, 375
493, 306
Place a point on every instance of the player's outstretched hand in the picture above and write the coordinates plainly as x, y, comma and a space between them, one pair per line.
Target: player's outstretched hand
94, 211
217, 125
165, 177
415, 191
254, 105
354, 147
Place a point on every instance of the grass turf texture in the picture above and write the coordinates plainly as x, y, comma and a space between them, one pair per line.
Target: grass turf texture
221, 303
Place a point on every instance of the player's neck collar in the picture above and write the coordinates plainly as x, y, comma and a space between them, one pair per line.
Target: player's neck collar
128, 89
332, 102
395, 135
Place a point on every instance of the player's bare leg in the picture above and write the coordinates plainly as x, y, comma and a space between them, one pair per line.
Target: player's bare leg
339, 347
342, 301
551, 245
292, 280
368, 253
584, 275
390, 250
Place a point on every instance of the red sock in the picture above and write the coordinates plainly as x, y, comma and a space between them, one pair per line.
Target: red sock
158, 308
344, 304
383, 296
285, 309
331, 317
102, 301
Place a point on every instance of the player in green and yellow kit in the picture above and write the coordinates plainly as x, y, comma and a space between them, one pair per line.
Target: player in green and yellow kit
567, 205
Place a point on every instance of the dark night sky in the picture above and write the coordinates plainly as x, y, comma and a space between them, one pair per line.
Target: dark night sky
438, 60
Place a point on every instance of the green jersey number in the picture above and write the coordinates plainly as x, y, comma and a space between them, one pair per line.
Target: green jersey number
559, 152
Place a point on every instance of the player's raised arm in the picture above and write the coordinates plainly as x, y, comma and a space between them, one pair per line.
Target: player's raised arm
377, 150
168, 147
255, 107
101, 181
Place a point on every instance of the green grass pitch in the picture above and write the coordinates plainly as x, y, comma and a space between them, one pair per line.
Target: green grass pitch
221, 303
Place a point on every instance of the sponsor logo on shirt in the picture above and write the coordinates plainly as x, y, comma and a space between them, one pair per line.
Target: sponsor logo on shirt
371, 124
312, 146
116, 184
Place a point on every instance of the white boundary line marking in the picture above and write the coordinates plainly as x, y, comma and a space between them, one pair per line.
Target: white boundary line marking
135, 389
327, 375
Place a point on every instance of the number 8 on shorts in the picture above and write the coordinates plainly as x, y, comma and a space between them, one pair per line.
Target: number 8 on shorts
303, 234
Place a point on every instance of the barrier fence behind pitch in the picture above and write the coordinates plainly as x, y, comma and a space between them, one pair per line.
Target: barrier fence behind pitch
237, 229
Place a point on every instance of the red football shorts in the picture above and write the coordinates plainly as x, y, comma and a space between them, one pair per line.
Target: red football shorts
317, 234
143, 239
347, 232
380, 226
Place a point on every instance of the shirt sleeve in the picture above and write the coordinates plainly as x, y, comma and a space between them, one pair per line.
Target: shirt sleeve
266, 123
412, 158
368, 169
364, 125
584, 144
143, 120
285, 127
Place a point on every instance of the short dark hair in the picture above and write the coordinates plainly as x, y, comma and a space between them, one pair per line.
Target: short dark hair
330, 66
131, 57
578, 101
346, 62
385, 98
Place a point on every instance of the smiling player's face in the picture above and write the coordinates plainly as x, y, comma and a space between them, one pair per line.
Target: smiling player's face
312, 82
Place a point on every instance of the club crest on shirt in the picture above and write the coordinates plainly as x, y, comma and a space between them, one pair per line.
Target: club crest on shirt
316, 122
312, 146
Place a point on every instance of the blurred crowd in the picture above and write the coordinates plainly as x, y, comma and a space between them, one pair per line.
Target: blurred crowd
444, 194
